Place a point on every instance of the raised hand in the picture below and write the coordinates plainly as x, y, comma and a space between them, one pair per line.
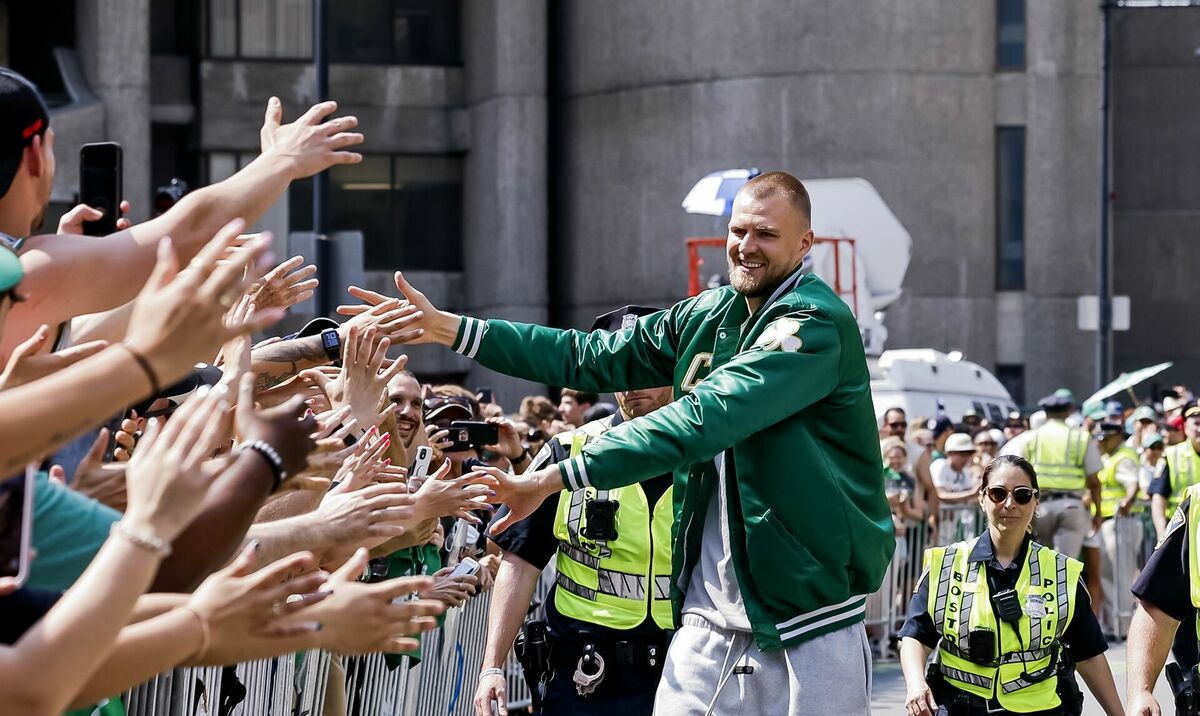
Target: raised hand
285, 285
366, 517
102, 482
362, 382
362, 618
72, 221
449, 590
310, 144
32, 360
284, 427
179, 317
166, 480
523, 494
238, 600
458, 497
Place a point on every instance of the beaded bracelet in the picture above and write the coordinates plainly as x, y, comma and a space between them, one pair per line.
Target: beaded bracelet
146, 541
271, 456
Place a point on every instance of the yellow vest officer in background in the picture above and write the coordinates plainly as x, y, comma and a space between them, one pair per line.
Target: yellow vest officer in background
608, 619
1066, 461
1121, 533
1180, 469
1007, 616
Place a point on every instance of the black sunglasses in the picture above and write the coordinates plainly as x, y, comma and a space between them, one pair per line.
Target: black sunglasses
1021, 495
898, 425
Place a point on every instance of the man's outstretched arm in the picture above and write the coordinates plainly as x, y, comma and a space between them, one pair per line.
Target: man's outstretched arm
602, 361
70, 275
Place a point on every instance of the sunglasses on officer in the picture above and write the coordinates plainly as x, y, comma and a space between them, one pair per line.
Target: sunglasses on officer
1022, 495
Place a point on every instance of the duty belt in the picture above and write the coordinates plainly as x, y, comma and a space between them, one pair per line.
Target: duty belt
636, 654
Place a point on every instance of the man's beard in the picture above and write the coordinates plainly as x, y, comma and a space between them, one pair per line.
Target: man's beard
747, 286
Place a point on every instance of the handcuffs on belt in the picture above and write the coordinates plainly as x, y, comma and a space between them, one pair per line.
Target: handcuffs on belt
586, 683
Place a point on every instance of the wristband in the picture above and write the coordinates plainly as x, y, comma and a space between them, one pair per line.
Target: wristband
271, 456
151, 376
149, 542
520, 456
488, 672
205, 635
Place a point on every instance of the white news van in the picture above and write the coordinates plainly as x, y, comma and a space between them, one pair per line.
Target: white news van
926, 382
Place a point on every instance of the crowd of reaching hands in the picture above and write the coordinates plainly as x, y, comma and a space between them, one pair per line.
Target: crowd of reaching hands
259, 504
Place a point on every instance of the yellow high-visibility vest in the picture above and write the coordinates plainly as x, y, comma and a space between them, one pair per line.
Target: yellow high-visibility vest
960, 603
1184, 466
1057, 452
614, 583
1112, 492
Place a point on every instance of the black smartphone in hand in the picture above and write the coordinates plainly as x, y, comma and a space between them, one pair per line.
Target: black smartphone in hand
100, 185
467, 434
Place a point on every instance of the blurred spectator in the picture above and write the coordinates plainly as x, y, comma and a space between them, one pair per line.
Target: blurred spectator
574, 404
986, 448
954, 476
1014, 425
895, 423
537, 410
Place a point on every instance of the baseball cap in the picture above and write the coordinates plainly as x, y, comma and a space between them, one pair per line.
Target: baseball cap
960, 442
1192, 412
939, 425
1096, 412
1152, 439
202, 375
448, 407
1060, 399
622, 318
11, 271
1114, 407
1144, 412
23, 115
1110, 427
1172, 402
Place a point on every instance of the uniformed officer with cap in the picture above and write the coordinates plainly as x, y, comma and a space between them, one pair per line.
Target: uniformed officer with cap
1120, 510
1067, 462
609, 614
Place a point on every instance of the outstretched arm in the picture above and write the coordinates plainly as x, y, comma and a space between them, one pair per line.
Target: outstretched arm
71, 275
640, 357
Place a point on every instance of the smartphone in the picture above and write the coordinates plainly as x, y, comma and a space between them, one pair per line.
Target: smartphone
467, 434
420, 467
100, 171
466, 568
16, 524
485, 395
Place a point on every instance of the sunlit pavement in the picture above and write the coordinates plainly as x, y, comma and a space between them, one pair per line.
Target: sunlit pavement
888, 693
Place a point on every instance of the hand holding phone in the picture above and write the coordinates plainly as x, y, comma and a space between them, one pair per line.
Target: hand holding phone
100, 185
467, 434
466, 568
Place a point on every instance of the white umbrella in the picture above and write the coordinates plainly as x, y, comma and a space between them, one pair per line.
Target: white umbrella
1125, 381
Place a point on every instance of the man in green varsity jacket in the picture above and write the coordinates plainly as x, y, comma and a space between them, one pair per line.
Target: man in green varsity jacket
782, 527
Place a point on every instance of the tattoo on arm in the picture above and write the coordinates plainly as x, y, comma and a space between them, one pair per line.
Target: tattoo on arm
280, 361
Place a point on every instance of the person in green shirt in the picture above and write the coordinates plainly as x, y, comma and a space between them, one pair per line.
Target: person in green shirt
782, 525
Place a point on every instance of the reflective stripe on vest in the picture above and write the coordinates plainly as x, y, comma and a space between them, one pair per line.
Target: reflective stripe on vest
1112, 492
1184, 465
962, 599
613, 583
1057, 452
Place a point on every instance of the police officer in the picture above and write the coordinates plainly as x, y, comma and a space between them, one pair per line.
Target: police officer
1168, 592
1121, 511
1180, 469
1067, 462
609, 613
1006, 615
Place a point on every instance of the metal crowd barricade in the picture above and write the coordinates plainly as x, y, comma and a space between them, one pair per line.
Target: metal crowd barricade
297, 685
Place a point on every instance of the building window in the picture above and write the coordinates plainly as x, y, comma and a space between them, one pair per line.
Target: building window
402, 32
1010, 208
1010, 35
409, 209
1012, 377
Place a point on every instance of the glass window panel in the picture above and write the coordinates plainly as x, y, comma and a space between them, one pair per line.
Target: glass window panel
222, 28
1010, 208
360, 32
276, 28
1010, 34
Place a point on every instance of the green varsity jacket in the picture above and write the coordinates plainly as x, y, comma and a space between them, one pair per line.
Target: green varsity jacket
785, 393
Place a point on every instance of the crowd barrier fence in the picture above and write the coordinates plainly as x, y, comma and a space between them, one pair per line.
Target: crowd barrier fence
443, 682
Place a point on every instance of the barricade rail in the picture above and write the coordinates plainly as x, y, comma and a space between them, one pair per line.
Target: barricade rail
444, 680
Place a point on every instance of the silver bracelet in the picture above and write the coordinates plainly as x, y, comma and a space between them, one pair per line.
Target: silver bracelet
145, 540
488, 672
271, 455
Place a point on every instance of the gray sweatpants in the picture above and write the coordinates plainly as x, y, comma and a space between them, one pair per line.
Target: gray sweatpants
828, 675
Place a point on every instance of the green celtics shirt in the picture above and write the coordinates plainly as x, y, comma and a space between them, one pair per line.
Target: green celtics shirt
784, 393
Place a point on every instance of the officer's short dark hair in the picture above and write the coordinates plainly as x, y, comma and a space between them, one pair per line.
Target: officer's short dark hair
581, 396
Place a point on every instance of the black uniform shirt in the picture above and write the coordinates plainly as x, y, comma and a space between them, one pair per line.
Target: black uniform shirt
1083, 635
532, 539
1163, 582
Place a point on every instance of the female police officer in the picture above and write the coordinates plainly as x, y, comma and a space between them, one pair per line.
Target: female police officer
1005, 615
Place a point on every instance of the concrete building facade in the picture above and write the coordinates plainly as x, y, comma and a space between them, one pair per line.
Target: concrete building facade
527, 158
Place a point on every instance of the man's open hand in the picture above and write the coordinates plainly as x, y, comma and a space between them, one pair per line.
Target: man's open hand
523, 494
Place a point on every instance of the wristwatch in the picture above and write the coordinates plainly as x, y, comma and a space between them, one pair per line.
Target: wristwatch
331, 341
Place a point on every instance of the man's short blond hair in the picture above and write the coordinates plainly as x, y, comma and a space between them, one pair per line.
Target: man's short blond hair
773, 183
